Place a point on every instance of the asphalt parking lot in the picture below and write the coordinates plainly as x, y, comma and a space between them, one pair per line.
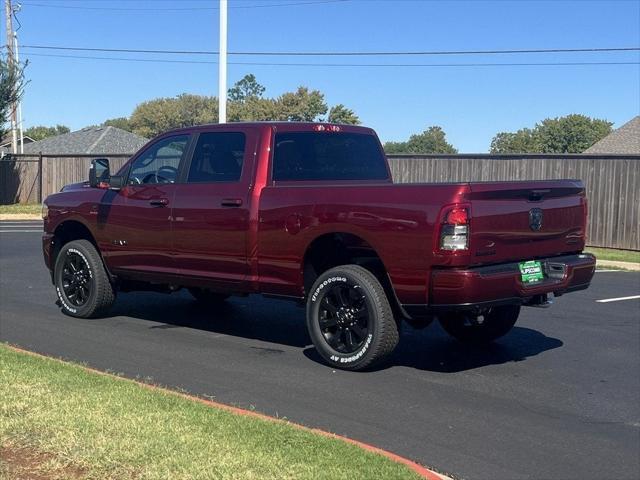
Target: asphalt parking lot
558, 398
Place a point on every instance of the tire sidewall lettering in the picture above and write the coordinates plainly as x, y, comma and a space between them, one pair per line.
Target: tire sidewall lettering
315, 299
355, 356
325, 283
59, 291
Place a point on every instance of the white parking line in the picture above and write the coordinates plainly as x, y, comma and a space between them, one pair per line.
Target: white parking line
610, 270
20, 231
619, 299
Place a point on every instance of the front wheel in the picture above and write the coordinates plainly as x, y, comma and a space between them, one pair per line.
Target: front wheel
349, 318
81, 281
487, 327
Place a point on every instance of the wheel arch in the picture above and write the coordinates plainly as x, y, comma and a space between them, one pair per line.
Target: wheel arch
332, 249
70, 230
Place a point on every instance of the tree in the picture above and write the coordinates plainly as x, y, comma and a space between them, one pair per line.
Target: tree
246, 103
252, 109
246, 88
341, 114
569, 134
121, 122
11, 89
523, 140
156, 116
301, 106
432, 140
39, 132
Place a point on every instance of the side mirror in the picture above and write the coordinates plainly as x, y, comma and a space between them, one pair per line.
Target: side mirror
116, 182
99, 172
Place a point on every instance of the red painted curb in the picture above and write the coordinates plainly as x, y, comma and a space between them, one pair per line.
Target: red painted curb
416, 467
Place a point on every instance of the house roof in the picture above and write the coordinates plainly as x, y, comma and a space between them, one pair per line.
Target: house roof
624, 140
89, 140
7, 141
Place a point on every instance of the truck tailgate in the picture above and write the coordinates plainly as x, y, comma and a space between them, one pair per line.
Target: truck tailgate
526, 220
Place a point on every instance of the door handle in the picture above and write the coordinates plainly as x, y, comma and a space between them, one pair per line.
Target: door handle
160, 202
231, 202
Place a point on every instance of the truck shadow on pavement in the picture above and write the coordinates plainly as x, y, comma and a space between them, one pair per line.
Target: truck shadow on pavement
281, 322
433, 350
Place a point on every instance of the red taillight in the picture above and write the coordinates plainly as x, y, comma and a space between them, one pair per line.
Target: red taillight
457, 216
454, 230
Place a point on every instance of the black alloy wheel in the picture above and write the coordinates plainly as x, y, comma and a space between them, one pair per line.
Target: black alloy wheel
349, 318
83, 287
344, 318
76, 279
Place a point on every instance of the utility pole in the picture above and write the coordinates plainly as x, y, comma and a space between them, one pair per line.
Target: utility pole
11, 63
222, 65
20, 123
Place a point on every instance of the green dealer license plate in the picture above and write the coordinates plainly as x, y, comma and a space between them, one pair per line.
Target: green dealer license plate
531, 271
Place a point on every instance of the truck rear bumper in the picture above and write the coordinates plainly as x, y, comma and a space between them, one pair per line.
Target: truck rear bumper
454, 289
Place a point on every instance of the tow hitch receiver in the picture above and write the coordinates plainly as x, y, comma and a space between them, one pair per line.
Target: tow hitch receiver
541, 301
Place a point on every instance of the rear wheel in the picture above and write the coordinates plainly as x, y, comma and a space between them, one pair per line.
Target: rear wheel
81, 281
349, 318
207, 297
494, 323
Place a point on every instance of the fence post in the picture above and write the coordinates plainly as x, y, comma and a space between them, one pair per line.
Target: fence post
40, 178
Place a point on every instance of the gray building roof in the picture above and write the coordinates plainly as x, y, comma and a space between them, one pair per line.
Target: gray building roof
89, 140
624, 140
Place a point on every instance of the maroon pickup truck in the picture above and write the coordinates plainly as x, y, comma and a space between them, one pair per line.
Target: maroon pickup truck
309, 212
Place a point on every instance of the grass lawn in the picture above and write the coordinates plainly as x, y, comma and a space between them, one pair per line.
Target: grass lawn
101, 427
22, 208
616, 255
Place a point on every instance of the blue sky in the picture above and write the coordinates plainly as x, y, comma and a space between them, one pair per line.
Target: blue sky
470, 103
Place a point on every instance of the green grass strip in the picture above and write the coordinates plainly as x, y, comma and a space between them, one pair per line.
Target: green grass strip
114, 428
615, 255
22, 208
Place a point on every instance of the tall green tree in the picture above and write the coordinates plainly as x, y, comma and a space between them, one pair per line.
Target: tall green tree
246, 103
156, 116
303, 105
432, 140
341, 114
122, 123
11, 89
246, 88
252, 109
569, 134
40, 132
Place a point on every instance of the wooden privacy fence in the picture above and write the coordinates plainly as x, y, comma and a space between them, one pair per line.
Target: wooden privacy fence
612, 181
30, 178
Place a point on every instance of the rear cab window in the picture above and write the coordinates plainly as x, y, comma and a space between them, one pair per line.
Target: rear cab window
321, 156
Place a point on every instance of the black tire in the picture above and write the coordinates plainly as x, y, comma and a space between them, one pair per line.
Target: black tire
349, 318
207, 297
81, 281
479, 329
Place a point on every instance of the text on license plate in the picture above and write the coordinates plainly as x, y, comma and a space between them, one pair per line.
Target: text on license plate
531, 271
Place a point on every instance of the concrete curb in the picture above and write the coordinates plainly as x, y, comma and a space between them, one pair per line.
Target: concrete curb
635, 267
416, 467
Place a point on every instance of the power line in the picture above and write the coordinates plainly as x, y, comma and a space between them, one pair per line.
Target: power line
178, 9
282, 64
343, 54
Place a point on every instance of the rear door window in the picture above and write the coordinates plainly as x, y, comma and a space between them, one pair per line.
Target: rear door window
328, 156
218, 157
